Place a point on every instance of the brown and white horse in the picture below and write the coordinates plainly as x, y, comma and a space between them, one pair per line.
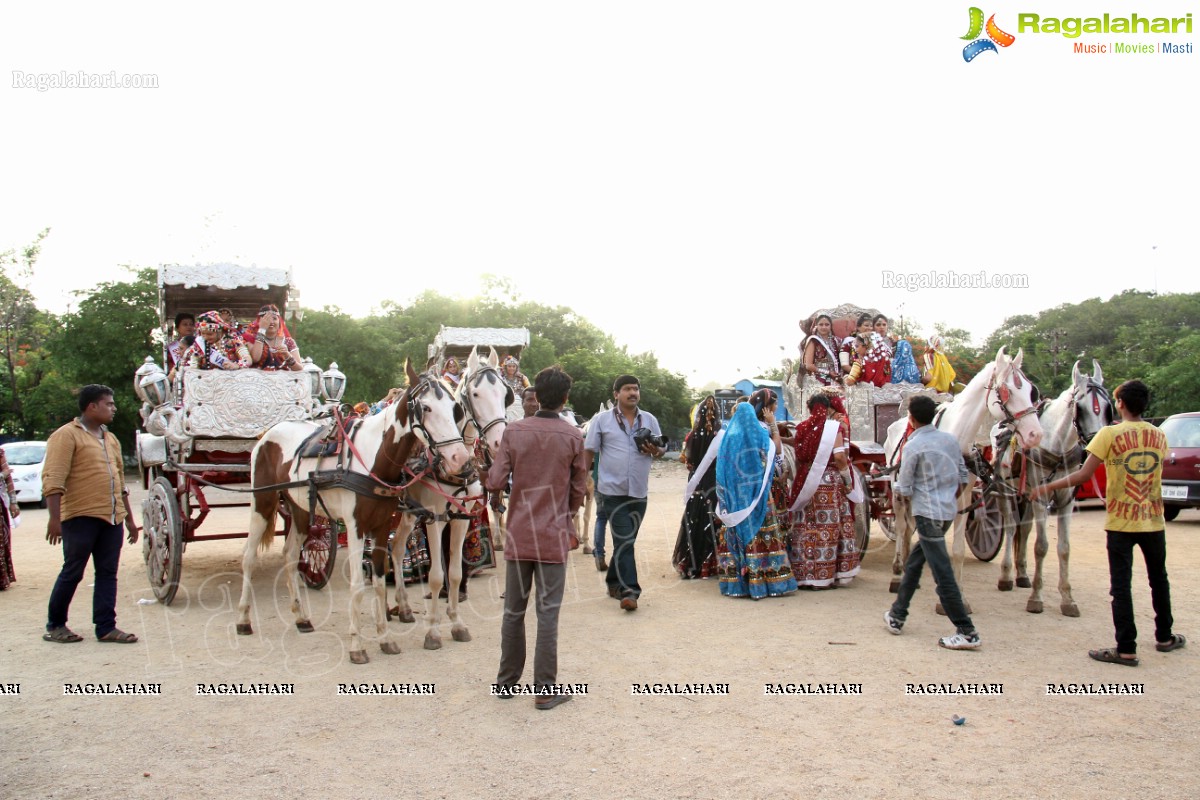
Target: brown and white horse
1000, 389
426, 417
450, 498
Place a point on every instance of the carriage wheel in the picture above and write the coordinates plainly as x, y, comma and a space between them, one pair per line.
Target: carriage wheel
162, 542
887, 524
862, 517
318, 553
985, 529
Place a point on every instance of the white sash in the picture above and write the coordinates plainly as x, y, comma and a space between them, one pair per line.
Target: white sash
824, 451
833, 358
709, 457
733, 518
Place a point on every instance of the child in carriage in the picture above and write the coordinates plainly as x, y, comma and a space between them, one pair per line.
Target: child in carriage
214, 348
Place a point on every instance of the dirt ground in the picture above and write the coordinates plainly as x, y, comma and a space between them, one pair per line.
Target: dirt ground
460, 742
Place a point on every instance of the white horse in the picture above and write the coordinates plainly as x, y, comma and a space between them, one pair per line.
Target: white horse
425, 417
1070, 422
450, 501
1000, 389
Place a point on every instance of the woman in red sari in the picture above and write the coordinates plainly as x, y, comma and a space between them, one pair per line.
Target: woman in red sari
9, 511
822, 548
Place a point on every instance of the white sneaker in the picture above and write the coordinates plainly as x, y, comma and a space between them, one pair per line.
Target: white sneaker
960, 641
895, 628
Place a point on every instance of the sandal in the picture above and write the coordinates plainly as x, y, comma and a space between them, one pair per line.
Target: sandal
1109, 655
63, 635
118, 636
1177, 641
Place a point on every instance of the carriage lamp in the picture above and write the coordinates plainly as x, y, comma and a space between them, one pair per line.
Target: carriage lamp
292, 308
145, 369
313, 372
333, 383
154, 388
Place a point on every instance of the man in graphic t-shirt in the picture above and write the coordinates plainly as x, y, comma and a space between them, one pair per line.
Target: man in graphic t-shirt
1132, 452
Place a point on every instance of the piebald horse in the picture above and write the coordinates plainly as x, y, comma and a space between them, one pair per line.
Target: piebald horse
1070, 421
452, 499
1000, 389
425, 418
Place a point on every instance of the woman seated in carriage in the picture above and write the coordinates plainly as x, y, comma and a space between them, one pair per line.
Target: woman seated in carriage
271, 345
821, 352
214, 347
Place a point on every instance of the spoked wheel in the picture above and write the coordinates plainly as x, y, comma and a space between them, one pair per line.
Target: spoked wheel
318, 553
862, 516
887, 524
162, 540
985, 529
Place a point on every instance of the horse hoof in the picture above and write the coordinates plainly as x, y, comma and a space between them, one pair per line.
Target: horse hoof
390, 648
406, 616
939, 610
894, 586
358, 657
587, 551
1034, 606
461, 635
1004, 586
1069, 610
432, 642
304, 627
1024, 583
244, 629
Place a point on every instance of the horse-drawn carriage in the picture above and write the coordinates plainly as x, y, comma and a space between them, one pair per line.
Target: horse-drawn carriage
198, 431
872, 410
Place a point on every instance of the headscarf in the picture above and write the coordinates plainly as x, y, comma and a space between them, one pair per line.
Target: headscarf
808, 439
211, 321
740, 465
704, 430
904, 365
941, 374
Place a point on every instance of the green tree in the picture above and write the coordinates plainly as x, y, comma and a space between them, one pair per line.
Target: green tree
24, 332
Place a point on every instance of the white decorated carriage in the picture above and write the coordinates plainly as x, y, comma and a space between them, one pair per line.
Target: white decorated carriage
871, 411
198, 430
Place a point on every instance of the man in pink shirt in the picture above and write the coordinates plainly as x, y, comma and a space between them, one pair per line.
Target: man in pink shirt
544, 455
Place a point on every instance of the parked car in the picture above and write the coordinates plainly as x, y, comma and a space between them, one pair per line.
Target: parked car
1181, 470
25, 460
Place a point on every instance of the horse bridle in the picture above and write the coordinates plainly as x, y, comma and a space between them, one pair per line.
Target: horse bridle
464, 397
416, 414
1004, 394
1097, 392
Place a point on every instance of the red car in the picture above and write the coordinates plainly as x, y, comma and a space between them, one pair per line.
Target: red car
1181, 470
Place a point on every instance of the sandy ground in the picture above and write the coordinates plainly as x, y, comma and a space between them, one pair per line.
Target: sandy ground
460, 742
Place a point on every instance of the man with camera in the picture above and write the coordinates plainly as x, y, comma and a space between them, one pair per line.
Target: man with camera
625, 440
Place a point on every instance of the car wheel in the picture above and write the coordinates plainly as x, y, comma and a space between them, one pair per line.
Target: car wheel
1170, 512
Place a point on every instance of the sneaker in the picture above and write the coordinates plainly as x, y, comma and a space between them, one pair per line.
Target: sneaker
960, 641
895, 628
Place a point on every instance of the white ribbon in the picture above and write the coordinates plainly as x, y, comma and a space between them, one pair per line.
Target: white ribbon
733, 518
709, 457
824, 451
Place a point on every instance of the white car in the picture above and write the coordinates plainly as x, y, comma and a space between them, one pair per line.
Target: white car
25, 460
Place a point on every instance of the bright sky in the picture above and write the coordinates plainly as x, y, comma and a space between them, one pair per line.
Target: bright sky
692, 177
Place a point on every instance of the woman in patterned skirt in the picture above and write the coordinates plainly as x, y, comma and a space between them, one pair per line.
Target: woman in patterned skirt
822, 549
9, 511
751, 552
695, 548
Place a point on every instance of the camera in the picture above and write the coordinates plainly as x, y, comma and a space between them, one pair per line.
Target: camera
644, 436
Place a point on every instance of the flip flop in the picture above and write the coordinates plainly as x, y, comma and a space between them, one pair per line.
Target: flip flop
1109, 655
1177, 641
63, 635
118, 636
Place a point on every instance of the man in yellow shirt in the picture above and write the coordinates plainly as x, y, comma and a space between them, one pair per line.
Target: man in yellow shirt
1132, 452
83, 481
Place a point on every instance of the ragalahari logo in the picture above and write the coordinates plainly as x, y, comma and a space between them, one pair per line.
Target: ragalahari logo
995, 36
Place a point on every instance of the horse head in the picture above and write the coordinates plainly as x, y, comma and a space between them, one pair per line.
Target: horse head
1011, 398
429, 410
486, 397
1093, 407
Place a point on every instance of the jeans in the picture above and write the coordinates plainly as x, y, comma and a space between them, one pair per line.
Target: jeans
625, 518
1120, 571
931, 547
84, 538
601, 524
551, 580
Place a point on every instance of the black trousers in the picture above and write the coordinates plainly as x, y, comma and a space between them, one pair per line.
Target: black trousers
1120, 573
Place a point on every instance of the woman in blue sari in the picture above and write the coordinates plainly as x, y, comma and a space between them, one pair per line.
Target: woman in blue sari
751, 552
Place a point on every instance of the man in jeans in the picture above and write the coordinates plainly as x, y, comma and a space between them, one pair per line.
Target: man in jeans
932, 474
543, 455
83, 481
624, 482
1132, 452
